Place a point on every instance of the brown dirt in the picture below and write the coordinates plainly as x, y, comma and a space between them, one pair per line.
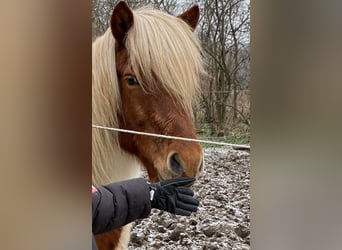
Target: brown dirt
222, 221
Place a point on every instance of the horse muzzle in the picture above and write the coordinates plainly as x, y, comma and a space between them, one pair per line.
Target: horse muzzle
179, 165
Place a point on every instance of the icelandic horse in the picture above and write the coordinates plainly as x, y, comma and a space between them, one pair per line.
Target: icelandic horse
146, 72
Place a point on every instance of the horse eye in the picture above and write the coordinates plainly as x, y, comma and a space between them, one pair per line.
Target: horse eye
132, 81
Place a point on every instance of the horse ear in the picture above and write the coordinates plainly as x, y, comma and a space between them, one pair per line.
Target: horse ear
191, 16
121, 21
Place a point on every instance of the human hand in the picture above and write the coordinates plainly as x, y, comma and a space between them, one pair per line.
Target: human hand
173, 196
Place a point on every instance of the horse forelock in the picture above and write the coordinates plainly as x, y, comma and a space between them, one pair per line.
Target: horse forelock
164, 50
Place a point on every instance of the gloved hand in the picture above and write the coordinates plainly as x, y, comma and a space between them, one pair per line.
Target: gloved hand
171, 195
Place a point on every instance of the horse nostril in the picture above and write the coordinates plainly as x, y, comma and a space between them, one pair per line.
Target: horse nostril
176, 164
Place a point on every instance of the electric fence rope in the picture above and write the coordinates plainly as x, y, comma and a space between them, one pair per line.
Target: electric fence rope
242, 146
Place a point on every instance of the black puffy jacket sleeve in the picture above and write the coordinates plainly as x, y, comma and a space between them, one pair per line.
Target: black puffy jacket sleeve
120, 203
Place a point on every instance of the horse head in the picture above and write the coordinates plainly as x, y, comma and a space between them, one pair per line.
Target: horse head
158, 66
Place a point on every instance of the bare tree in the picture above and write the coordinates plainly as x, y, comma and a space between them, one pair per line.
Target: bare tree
224, 33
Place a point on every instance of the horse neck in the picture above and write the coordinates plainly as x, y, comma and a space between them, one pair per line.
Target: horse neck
110, 162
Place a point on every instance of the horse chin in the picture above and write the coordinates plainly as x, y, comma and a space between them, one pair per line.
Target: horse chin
169, 175
160, 178
164, 175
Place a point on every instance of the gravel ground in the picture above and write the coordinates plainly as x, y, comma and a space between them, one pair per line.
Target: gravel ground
222, 221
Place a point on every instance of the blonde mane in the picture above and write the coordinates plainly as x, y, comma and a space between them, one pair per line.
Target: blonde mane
163, 50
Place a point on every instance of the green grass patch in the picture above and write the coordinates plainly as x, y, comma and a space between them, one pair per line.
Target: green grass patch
238, 134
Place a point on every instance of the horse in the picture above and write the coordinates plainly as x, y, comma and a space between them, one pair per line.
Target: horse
146, 74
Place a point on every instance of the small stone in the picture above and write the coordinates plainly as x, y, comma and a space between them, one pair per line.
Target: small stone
138, 238
154, 218
175, 235
209, 230
161, 229
210, 247
193, 222
168, 223
178, 226
156, 244
219, 234
206, 221
219, 197
242, 231
231, 211
158, 237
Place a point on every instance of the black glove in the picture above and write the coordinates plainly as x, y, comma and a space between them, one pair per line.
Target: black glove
171, 195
